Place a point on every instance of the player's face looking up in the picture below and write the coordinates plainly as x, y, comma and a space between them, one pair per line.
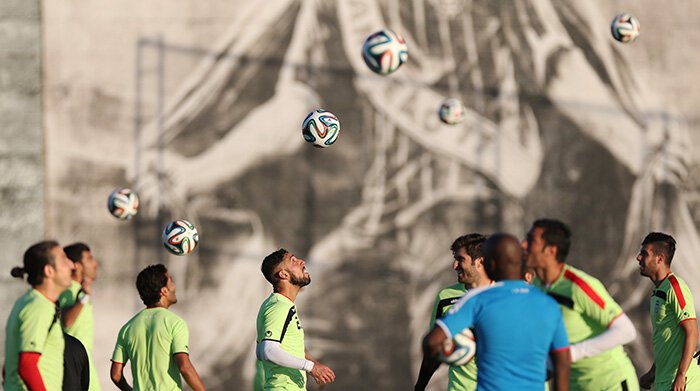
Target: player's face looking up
296, 270
648, 261
169, 290
466, 267
89, 265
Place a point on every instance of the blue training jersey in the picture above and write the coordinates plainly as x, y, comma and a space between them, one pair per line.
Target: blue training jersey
515, 327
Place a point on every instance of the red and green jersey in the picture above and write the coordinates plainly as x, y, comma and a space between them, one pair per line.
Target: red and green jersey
671, 304
462, 378
33, 326
588, 310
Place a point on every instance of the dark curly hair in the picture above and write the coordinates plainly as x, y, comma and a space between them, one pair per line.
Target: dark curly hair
149, 282
471, 243
270, 263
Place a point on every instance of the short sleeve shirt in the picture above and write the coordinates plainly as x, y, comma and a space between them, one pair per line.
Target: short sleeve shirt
278, 321
671, 304
33, 326
461, 378
515, 328
150, 341
588, 310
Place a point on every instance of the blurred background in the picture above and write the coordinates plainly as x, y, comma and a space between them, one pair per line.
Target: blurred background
198, 105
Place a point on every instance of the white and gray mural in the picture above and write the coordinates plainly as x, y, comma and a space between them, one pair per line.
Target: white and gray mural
203, 120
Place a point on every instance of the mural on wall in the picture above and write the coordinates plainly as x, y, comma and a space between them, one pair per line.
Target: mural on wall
558, 124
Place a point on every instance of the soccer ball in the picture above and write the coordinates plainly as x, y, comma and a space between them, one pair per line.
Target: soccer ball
180, 237
458, 350
123, 203
451, 111
320, 128
625, 28
384, 52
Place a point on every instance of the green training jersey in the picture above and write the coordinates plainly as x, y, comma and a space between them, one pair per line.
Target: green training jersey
82, 328
462, 378
671, 304
33, 326
588, 310
150, 340
278, 321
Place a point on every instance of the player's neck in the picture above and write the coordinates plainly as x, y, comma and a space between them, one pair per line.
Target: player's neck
483, 281
50, 291
289, 291
552, 272
660, 276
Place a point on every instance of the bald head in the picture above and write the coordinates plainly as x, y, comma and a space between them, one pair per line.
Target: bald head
503, 257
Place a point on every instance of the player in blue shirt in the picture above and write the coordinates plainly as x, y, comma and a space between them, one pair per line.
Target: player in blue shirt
515, 325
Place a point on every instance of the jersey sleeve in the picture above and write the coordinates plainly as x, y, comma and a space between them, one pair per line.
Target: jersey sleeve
120, 353
276, 320
560, 339
433, 314
594, 302
181, 337
681, 300
35, 322
67, 298
460, 316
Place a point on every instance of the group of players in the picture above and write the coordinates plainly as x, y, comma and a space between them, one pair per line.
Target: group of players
525, 304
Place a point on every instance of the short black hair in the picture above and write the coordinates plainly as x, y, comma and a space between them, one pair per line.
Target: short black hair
74, 252
555, 233
149, 282
662, 243
35, 258
270, 263
472, 244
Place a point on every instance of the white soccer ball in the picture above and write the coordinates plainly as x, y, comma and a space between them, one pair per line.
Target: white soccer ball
625, 28
384, 52
320, 128
458, 350
180, 237
451, 111
123, 203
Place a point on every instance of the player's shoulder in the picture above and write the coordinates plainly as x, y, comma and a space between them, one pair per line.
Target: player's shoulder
33, 302
454, 290
675, 286
276, 304
586, 287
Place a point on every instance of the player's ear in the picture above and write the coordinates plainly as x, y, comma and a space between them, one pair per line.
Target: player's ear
479, 262
283, 274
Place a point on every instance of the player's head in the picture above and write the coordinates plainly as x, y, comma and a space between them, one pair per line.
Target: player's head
282, 267
468, 262
503, 257
156, 287
85, 263
45, 263
656, 253
547, 240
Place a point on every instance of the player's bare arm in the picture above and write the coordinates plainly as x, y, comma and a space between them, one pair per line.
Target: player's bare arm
690, 328
562, 363
189, 373
117, 375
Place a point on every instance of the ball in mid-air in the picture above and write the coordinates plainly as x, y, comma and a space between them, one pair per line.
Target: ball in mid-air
451, 111
458, 350
320, 128
384, 52
180, 237
123, 203
625, 28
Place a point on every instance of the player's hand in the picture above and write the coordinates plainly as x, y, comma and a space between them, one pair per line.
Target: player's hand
647, 379
322, 374
86, 285
679, 382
